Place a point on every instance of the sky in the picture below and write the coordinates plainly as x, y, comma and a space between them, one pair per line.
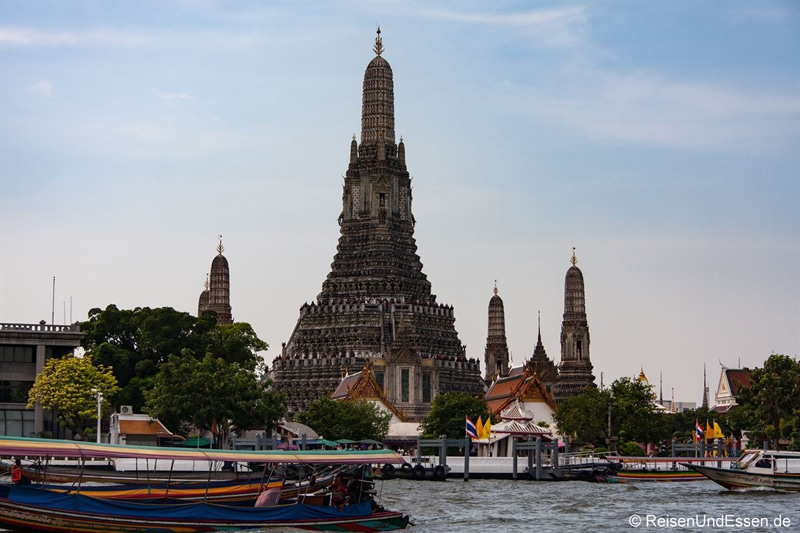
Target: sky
661, 140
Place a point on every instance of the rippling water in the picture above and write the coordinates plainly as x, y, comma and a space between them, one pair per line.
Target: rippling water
570, 506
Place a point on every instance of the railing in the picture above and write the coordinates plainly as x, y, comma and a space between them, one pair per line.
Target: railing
42, 327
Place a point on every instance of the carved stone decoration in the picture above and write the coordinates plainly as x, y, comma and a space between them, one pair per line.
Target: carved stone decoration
376, 303
217, 294
575, 368
356, 199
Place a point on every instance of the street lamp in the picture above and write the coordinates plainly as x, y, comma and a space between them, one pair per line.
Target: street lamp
99, 396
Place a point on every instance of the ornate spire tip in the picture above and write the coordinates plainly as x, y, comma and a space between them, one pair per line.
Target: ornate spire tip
574, 258
220, 248
378, 48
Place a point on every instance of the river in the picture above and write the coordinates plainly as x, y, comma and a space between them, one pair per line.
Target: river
572, 506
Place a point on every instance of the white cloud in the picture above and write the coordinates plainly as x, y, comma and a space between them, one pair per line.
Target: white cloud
555, 27
42, 87
172, 97
647, 108
11, 36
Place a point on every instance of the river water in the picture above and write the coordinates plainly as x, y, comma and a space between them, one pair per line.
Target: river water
572, 506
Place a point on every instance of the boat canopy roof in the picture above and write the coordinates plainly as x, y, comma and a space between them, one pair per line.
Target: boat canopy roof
46, 448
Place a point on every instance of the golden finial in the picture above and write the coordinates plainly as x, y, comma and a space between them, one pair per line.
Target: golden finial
220, 248
574, 258
378, 48
495, 287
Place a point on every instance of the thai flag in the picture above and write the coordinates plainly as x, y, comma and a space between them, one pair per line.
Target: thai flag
698, 431
471, 430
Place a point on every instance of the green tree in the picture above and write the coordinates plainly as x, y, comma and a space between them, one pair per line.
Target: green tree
633, 413
68, 387
771, 404
448, 412
236, 343
135, 343
585, 417
346, 419
212, 392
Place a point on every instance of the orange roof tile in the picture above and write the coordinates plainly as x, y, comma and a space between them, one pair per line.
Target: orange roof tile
142, 427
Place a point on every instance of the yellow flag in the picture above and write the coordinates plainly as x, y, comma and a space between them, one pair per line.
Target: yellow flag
479, 428
487, 429
717, 431
710, 431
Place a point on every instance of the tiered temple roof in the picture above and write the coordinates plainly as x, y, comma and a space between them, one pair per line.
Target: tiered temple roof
376, 304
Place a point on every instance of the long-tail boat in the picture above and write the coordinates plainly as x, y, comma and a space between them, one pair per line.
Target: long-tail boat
758, 469
32, 508
628, 469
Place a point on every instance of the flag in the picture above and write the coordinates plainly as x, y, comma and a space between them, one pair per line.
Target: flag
479, 428
471, 431
698, 431
487, 429
709, 431
718, 431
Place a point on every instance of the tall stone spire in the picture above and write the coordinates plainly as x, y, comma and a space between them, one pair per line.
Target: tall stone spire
376, 306
704, 404
496, 354
575, 368
217, 294
540, 363
377, 104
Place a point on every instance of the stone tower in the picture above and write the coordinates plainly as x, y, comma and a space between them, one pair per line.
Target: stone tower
575, 368
496, 354
376, 305
541, 365
217, 295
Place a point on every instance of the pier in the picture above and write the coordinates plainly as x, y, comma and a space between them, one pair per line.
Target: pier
541, 461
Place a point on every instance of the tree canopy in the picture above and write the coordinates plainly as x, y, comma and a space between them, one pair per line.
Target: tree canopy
634, 417
185, 370
135, 342
212, 392
448, 412
68, 386
584, 417
771, 404
346, 419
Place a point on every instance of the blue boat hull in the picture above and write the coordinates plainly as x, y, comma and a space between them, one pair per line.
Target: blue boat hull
31, 509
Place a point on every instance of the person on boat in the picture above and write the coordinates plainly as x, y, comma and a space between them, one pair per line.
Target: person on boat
340, 494
17, 475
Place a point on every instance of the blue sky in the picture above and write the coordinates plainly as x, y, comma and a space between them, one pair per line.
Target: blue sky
658, 138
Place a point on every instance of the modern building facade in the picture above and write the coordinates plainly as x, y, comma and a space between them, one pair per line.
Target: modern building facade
376, 305
24, 350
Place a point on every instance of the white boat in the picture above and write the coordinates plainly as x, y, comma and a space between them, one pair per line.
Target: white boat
757, 469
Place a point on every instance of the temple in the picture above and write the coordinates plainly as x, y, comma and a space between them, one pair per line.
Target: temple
217, 294
376, 307
575, 368
496, 354
540, 364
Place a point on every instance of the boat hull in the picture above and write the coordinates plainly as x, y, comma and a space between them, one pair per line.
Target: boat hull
32, 510
628, 476
741, 480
